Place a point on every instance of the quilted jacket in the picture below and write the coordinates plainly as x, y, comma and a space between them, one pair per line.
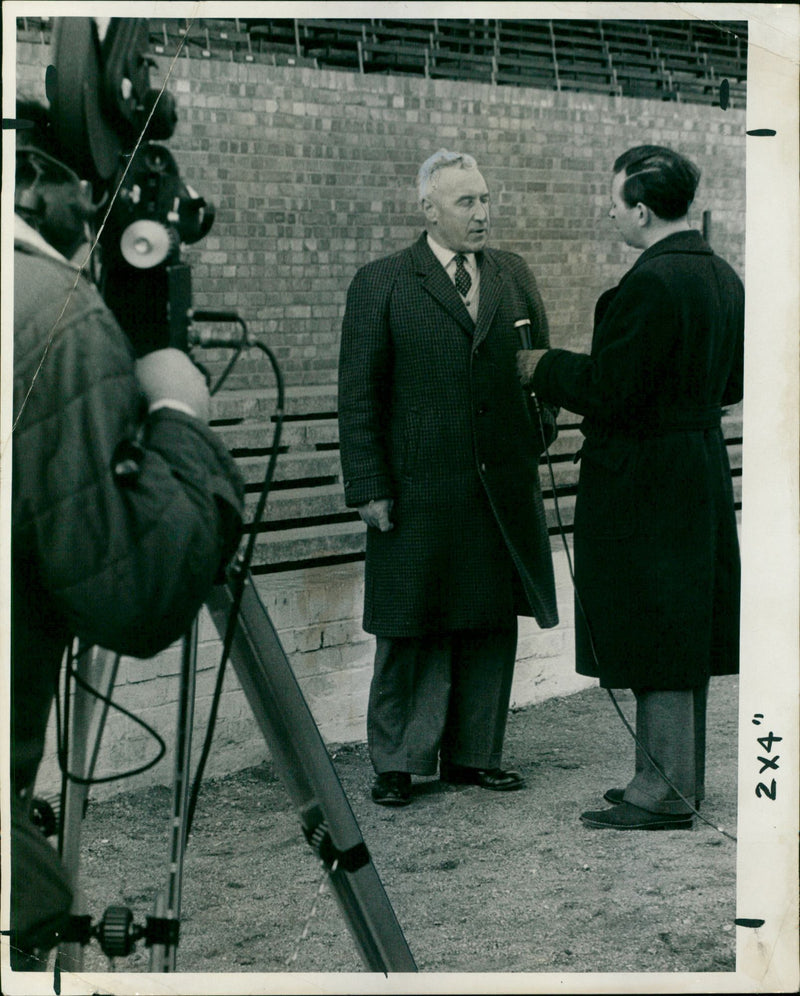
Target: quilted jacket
121, 561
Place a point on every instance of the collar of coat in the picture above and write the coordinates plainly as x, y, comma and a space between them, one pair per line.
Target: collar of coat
686, 243
27, 237
436, 282
690, 241
29, 240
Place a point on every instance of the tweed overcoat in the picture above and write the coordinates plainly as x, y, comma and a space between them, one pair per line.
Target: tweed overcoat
656, 548
432, 415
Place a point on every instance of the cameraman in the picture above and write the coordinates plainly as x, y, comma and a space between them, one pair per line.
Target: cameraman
126, 507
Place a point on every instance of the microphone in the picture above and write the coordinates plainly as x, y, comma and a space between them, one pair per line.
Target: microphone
525, 333
526, 342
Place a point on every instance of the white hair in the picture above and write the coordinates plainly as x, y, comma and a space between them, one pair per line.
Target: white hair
429, 170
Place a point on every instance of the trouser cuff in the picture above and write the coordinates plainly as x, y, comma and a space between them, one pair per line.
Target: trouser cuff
665, 807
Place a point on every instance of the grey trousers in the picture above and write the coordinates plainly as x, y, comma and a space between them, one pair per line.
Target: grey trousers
445, 695
671, 727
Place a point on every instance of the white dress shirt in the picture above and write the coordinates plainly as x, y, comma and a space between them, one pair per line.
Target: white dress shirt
448, 260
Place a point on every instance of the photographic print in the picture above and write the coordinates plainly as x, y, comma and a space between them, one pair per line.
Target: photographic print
399, 488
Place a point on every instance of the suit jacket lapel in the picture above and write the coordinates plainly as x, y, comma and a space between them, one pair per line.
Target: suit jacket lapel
438, 284
491, 291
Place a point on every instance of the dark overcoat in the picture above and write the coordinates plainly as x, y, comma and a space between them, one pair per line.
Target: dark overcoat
656, 548
432, 415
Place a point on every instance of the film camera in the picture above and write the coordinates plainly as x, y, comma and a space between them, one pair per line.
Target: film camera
107, 121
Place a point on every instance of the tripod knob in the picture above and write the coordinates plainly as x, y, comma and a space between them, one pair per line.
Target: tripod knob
115, 933
44, 816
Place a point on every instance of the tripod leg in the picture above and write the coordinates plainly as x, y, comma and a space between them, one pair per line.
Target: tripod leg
99, 668
168, 906
305, 767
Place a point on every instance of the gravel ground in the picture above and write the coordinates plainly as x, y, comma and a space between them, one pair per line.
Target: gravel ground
480, 882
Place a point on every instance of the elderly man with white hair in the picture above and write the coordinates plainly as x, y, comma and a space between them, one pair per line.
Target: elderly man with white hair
440, 456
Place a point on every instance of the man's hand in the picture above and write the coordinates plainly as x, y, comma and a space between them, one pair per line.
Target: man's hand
168, 375
377, 514
527, 360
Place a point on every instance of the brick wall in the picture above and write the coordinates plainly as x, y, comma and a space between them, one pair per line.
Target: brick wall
312, 173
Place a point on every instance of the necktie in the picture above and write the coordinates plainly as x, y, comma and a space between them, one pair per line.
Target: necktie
463, 279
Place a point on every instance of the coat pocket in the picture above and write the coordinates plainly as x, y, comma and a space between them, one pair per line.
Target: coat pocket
407, 444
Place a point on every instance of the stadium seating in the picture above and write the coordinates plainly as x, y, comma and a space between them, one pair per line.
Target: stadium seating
678, 60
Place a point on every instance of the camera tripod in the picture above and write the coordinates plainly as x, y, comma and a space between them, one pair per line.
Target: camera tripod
295, 744
107, 118
301, 761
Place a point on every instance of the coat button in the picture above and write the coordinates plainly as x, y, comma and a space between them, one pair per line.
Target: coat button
483, 409
483, 468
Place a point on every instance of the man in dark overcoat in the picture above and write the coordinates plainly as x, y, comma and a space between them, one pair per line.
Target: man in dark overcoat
656, 548
440, 456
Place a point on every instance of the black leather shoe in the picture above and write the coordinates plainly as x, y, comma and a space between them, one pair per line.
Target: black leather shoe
489, 778
628, 817
616, 796
392, 788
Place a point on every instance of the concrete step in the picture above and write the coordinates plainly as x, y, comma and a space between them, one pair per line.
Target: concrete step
310, 543
320, 466
260, 402
305, 435
300, 503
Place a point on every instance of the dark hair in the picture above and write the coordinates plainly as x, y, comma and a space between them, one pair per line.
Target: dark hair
663, 180
48, 195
